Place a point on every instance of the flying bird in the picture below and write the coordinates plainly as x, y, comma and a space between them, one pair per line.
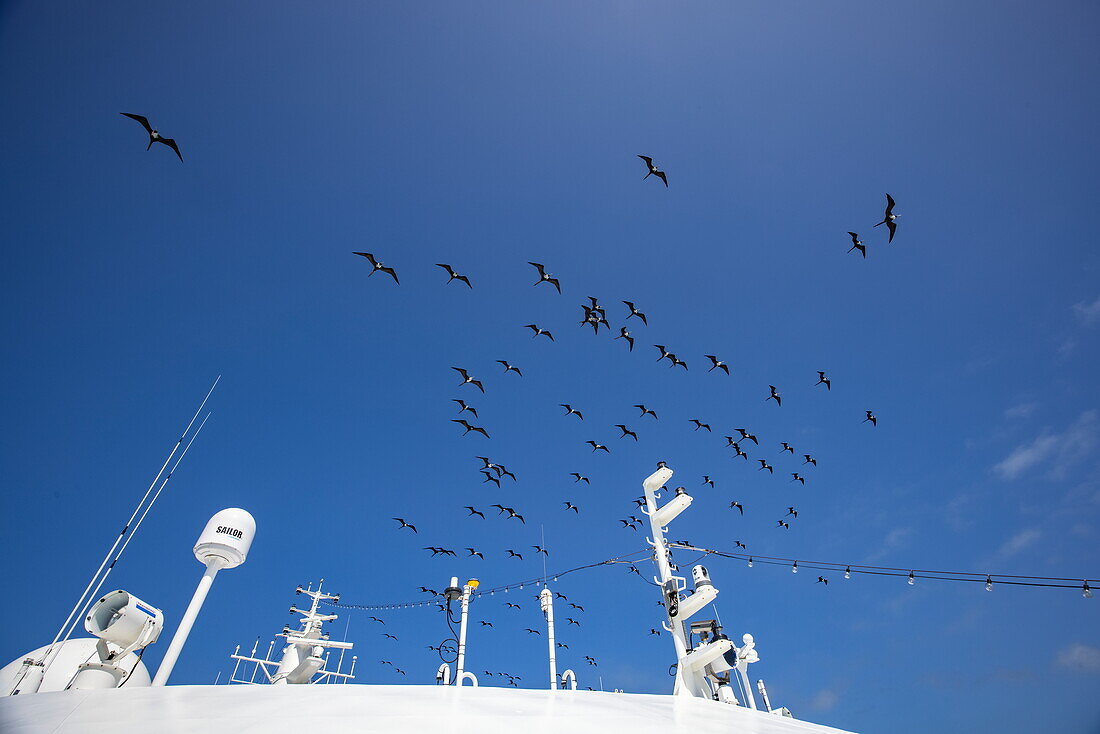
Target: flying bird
405, 525
489, 477
653, 170
154, 136
857, 245
513, 554
792, 512
741, 545
774, 396
538, 331
540, 549
699, 424
485, 624
796, 477
765, 465
635, 312
677, 362
532, 632
626, 431
784, 525
513, 514
708, 480
646, 411
823, 380
510, 605
786, 447
467, 379
570, 620
376, 266
822, 580
598, 447
571, 506
654, 632
717, 364
474, 512
664, 352
739, 506
745, 435
545, 277
871, 417
570, 410
624, 334
376, 619
576, 606
742, 454
809, 459
889, 218
579, 478
509, 368
462, 406
476, 429
387, 634
453, 275
473, 552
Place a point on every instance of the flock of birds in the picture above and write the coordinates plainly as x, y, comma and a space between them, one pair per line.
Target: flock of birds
593, 315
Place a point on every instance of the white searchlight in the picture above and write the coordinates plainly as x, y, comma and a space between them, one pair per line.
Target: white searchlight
675, 506
223, 543
128, 624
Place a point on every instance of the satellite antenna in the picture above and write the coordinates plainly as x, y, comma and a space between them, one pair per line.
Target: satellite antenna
223, 543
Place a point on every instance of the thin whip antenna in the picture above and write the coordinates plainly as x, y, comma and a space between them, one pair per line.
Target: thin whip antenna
148, 507
137, 508
542, 530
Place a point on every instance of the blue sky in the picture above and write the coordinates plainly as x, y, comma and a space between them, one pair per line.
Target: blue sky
486, 135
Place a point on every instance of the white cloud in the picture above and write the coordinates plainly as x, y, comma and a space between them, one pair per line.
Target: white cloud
1080, 658
1089, 313
895, 539
1023, 410
824, 699
1018, 542
1059, 450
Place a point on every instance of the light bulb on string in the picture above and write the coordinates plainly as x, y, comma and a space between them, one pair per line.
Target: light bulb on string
1086, 590
750, 561
848, 572
794, 567
988, 583
911, 577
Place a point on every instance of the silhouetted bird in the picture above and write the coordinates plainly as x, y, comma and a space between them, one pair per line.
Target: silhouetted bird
569, 410
739, 506
871, 417
571, 506
765, 465
474, 512
154, 136
796, 477
786, 447
624, 334
717, 364
708, 480
774, 396
485, 624
540, 549
545, 277
513, 554
475, 553
792, 512
626, 431
664, 352
699, 424
646, 411
784, 525
745, 435
453, 275
476, 429
579, 478
467, 379
653, 170
822, 580
635, 312
537, 330
809, 459
405, 525
598, 447
889, 218
741, 545
857, 245
463, 407
823, 380
509, 368
376, 266
490, 478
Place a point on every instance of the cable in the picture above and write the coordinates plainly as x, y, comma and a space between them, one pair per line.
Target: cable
911, 573
482, 592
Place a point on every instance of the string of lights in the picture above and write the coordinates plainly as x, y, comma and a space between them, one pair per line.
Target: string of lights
536, 581
910, 574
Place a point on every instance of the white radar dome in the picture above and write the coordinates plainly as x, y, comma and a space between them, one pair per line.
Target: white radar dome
227, 535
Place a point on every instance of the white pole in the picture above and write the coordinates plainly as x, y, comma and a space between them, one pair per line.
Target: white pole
546, 598
764, 694
215, 564
462, 633
660, 553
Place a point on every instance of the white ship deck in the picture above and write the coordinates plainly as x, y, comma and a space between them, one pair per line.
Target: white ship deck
336, 709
